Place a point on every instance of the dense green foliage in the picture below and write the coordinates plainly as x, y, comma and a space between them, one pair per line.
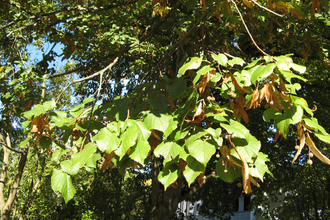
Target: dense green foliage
173, 92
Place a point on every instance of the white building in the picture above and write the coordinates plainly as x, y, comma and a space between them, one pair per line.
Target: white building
188, 209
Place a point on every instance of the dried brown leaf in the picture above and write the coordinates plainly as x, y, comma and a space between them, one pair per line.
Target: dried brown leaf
253, 101
237, 86
107, 161
316, 151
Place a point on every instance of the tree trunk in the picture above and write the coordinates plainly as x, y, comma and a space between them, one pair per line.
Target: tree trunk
162, 204
3, 174
5, 211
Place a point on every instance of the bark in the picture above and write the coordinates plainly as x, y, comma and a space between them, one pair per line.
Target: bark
3, 174
164, 204
5, 211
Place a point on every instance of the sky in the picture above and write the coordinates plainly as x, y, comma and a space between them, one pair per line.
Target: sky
37, 55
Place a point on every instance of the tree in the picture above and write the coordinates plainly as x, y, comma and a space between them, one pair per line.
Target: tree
164, 84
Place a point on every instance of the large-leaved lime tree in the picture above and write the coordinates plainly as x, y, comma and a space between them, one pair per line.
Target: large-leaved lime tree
165, 88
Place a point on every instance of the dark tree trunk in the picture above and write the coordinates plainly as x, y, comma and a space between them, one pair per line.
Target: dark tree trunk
162, 204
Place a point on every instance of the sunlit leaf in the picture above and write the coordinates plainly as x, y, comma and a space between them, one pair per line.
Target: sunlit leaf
220, 58
236, 128
169, 174
192, 170
201, 150
62, 182
194, 63
140, 151
106, 140
168, 150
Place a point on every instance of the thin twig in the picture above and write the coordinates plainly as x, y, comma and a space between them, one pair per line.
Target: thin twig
7, 144
267, 9
87, 77
247, 29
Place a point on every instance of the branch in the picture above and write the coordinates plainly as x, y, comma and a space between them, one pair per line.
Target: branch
118, 55
267, 9
3, 173
7, 207
7, 144
88, 77
247, 29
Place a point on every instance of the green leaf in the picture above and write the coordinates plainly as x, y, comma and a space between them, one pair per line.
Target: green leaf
201, 72
288, 75
40, 109
169, 150
87, 100
62, 182
25, 124
296, 113
192, 170
143, 132
285, 58
128, 139
293, 115
169, 174
236, 128
59, 119
69, 167
57, 155
259, 167
157, 120
49, 105
262, 72
313, 124
45, 142
236, 61
299, 68
140, 151
247, 147
173, 124
283, 124
194, 63
226, 172
216, 135
181, 134
158, 102
81, 157
24, 143
91, 161
76, 110
302, 102
106, 140
220, 58
177, 89
201, 151
193, 137
323, 137
270, 114
268, 59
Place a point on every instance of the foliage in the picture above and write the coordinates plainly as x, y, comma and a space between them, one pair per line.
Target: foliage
165, 85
